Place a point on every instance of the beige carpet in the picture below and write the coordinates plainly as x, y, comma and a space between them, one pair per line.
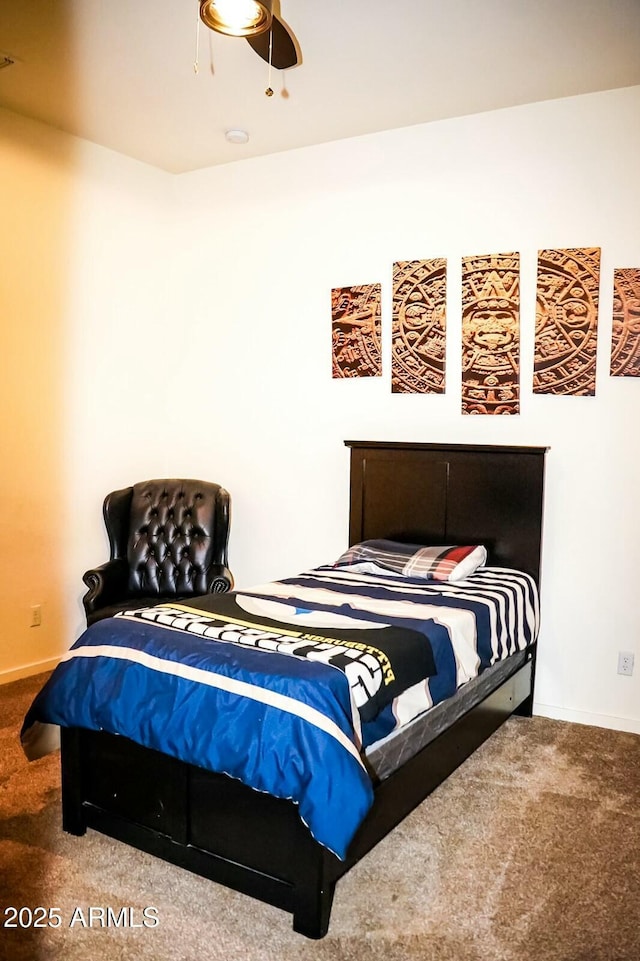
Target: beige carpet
529, 852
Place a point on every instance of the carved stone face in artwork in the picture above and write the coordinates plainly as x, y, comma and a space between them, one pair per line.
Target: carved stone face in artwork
491, 334
493, 325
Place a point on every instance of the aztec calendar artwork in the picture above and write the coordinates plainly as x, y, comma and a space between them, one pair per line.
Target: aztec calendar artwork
567, 321
418, 341
491, 334
356, 331
566, 329
625, 337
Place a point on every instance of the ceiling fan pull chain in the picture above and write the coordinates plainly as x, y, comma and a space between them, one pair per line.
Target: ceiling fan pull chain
269, 90
195, 62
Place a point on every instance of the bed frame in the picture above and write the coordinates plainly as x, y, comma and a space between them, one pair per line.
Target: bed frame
257, 844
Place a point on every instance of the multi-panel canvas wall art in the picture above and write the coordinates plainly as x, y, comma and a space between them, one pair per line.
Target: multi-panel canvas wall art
356, 331
566, 331
491, 334
418, 340
566, 321
625, 336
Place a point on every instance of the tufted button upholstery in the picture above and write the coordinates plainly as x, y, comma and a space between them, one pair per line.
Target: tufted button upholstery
168, 539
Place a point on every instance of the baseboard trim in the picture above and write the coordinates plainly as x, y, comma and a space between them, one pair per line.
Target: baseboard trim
28, 670
629, 724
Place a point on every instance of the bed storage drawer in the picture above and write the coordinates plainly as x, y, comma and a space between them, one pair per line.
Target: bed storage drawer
135, 783
222, 811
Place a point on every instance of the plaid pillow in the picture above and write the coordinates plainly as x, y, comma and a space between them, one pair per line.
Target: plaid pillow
412, 560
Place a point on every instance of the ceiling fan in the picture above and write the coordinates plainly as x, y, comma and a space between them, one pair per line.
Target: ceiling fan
260, 23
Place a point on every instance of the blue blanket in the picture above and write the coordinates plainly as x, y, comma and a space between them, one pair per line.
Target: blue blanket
283, 686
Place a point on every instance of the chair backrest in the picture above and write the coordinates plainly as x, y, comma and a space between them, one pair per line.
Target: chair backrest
177, 530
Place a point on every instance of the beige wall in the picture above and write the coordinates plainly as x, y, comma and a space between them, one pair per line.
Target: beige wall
36, 193
84, 264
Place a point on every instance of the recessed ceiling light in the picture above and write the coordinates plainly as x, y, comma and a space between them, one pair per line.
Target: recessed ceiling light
237, 136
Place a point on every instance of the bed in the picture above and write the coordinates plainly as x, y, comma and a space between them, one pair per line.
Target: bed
269, 846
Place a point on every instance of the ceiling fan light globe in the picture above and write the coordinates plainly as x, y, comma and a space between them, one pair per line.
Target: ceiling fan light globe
237, 18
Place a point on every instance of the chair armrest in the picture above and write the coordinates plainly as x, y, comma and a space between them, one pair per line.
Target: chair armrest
219, 579
107, 584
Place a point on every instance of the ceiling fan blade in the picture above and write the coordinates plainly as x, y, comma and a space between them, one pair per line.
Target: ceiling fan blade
285, 52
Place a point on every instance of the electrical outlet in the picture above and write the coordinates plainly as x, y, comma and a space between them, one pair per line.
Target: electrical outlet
625, 662
36, 615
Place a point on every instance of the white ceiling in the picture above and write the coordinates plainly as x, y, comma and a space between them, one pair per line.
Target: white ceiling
120, 72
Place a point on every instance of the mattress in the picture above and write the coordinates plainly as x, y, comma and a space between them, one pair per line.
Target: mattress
391, 752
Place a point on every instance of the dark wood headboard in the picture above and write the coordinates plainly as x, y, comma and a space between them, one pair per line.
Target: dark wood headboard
451, 494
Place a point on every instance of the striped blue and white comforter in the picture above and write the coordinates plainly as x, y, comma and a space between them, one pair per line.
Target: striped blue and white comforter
284, 685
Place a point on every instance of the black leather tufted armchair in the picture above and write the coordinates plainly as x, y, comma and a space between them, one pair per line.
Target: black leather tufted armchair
168, 540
